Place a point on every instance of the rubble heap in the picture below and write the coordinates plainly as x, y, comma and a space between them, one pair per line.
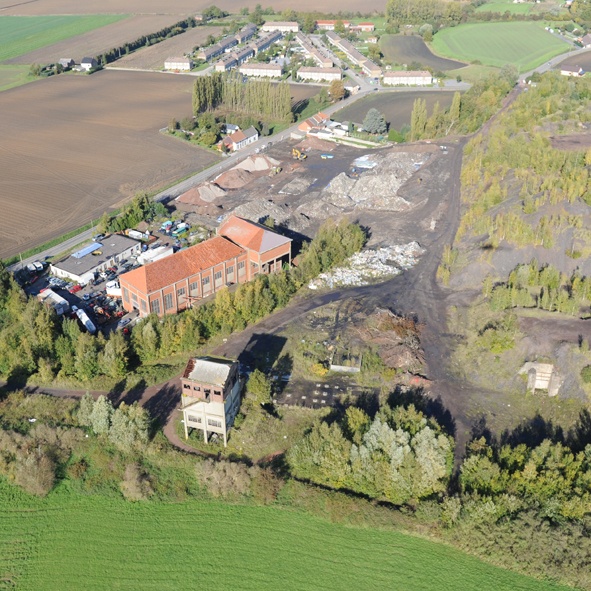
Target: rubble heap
364, 266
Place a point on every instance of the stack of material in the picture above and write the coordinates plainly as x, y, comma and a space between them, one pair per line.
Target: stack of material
258, 164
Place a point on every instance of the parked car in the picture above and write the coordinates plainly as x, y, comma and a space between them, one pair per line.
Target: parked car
123, 322
98, 237
75, 288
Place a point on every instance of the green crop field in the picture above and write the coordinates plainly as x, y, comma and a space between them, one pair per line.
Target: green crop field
21, 34
72, 542
524, 44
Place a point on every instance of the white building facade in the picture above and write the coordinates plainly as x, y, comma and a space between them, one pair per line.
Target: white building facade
408, 78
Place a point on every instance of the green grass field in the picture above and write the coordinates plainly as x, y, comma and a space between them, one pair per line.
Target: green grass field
72, 542
524, 44
11, 76
21, 34
503, 6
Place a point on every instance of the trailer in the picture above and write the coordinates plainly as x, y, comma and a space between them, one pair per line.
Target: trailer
85, 320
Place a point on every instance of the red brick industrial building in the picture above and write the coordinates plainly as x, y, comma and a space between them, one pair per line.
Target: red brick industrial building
241, 251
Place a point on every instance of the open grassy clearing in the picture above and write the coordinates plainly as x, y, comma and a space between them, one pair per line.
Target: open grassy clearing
502, 6
526, 45
473, 73
22, 34
11, 76
71, 542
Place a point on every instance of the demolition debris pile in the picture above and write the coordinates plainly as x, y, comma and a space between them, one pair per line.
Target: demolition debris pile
378, 184
368, 265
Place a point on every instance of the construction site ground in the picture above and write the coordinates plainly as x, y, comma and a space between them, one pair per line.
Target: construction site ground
400, 200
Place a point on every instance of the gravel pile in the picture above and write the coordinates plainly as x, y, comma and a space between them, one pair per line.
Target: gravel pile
261, 208
364, 266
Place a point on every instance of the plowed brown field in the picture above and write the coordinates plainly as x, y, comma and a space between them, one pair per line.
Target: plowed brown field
100, 40
72, 146
182, 7
152, 58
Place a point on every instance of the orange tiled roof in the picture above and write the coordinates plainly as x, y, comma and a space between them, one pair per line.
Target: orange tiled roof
181, 265
250, 235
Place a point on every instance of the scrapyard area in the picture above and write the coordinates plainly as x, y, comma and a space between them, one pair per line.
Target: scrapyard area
398, 193
405, 197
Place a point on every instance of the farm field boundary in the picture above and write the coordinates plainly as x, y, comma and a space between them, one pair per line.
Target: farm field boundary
22, 34
523, 44
98, 41
405, 49
67, 541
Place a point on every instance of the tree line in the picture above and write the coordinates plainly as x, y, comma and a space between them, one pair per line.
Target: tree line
508, 497
544, 287
257, 98
140, 208
467, 112
115, 53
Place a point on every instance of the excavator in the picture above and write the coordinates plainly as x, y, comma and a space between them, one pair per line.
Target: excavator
297, 155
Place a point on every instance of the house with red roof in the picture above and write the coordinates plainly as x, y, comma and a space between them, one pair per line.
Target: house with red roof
239, 139
316, 121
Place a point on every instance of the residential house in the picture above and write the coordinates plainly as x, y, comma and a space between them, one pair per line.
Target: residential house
369, 68
174, 283
373, 39
575, 71
82, 265
319, 74
408, 78
225, 44
267, 250
210, 395
88, 63
316, 121
66, 63
329, 25
246, 33
241, 55
178, 63
283, 26
226, 63
261, 70
366, 27
264, 42
586, 40
239, 139
312, 52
